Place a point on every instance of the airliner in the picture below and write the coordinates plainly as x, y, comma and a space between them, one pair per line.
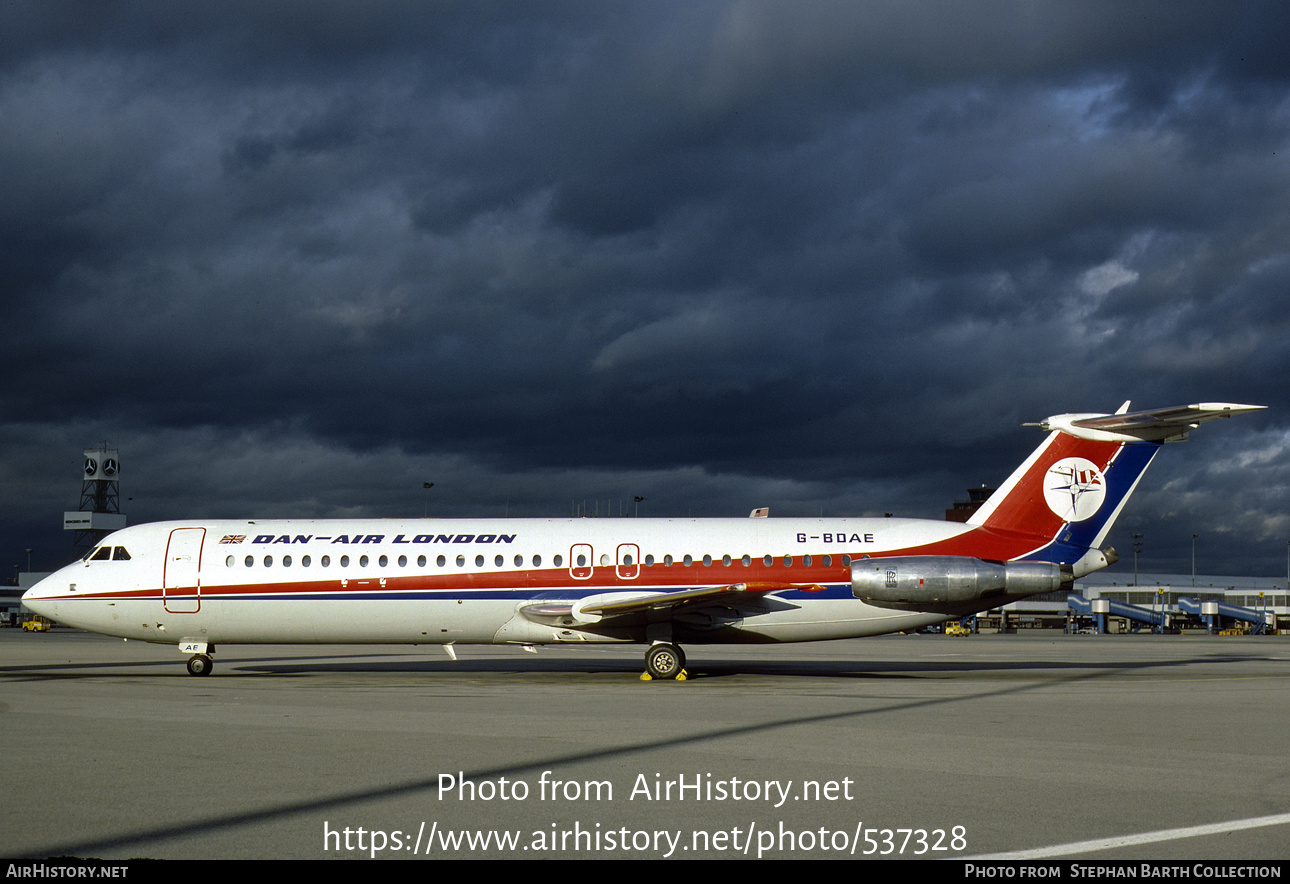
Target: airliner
662, 583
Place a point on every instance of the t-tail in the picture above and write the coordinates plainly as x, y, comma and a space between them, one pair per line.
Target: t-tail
1046, 524
1068, 494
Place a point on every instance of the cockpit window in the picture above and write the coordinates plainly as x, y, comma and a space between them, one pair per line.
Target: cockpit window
108, 554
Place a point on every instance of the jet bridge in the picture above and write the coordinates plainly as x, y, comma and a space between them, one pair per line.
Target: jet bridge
1212, 614
1099, 609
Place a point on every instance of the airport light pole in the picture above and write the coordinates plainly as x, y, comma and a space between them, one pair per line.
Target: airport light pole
1193, 560
1137, 548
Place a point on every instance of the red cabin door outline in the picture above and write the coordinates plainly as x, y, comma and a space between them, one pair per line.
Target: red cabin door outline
181, 583
581, 561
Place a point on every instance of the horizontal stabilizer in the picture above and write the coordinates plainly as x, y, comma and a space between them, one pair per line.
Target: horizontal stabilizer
1156, 425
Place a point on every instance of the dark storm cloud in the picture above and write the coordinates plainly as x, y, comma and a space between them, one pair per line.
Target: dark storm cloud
820, 256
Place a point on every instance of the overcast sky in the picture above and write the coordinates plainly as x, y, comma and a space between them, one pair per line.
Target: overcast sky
294, 260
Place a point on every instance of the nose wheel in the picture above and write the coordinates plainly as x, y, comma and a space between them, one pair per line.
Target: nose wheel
200, 664
664, 661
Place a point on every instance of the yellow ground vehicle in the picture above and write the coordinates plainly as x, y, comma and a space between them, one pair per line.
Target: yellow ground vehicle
37, 623
954, 627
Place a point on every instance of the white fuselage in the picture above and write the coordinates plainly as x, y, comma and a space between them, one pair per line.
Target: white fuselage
433, 581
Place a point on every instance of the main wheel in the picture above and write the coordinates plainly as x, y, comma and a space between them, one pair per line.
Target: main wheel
200, 664
664, 661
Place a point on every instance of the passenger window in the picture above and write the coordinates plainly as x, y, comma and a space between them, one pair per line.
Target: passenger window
667, 561
788, 561
362, 561
229, 562
479, 561
688, 560
806, 560
304, 561
649, 561
383, 561
725, 560
421, 561
286, 561
747, 560
268, 561
344, 561
707, 561
403, 561
826, 561
498, 561
519, 561
441, 561
559, 560
461, 561
250, 560
537, 561
326, 561
582, 561
768, 561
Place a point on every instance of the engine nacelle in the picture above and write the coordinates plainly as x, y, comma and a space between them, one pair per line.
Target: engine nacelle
918, 581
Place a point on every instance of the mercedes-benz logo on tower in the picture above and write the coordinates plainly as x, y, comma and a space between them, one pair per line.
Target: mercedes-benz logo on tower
91, 466
1074, 489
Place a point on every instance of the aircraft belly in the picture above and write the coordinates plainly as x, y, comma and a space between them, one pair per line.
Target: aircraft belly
820, 620
477, 621
344, 621
303, 621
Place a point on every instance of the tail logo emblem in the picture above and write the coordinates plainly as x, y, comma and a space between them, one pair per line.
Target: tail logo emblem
1074, 489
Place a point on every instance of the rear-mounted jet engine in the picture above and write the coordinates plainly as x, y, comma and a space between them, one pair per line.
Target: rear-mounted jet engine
920, 581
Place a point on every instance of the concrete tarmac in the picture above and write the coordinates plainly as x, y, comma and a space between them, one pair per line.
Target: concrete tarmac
900, 746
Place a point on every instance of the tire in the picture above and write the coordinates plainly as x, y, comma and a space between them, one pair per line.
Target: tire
199, 664
664, 661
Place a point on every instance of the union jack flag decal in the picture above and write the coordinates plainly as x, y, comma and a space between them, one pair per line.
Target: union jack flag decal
232, 538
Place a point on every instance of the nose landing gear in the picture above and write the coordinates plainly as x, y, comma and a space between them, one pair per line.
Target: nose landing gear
200, 661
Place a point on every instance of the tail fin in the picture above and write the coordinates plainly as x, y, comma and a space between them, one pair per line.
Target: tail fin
1069, 492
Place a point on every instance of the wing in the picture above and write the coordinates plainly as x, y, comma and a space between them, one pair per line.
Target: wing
689, 597
617, 604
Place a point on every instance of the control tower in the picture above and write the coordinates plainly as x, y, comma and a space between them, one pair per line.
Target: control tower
100, 508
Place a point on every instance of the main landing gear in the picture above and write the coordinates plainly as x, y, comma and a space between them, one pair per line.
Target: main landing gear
664, 661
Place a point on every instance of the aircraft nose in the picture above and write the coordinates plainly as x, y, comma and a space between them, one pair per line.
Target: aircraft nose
37, 597
31, 598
